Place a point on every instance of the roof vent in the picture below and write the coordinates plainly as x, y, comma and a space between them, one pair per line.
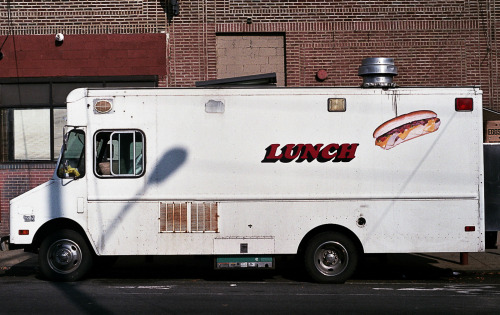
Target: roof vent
378, 72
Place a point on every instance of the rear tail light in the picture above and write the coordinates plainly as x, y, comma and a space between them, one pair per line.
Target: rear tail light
464, 104
470, 228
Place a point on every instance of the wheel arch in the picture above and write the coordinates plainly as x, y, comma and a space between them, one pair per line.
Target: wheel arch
54, 225
329, 228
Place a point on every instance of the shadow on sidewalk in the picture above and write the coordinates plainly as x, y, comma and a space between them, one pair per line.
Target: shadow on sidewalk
402, 267
22, 269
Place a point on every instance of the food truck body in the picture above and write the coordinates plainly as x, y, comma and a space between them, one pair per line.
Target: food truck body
246, 174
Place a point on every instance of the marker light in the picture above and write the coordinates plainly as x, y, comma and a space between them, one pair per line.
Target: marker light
336, 105
213, 106
470, 228
24, 232
463, 104
102, 106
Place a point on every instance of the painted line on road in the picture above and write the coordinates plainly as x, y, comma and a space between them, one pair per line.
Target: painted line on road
490, 289
146, 287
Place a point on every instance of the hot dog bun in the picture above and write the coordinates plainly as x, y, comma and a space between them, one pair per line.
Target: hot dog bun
405, 127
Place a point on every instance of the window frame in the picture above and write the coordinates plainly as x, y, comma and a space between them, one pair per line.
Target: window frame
61, 164
8, 145
96, 155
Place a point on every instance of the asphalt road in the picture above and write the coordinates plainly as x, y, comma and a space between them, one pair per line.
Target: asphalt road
196, 296
145, 286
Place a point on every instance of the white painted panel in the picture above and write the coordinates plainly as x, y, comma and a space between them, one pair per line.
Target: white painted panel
232, 246
192, 154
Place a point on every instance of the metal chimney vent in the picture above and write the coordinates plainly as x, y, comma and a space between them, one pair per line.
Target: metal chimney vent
378, 72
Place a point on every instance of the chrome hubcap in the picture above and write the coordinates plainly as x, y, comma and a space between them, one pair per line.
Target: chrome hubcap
331, 258
64, 256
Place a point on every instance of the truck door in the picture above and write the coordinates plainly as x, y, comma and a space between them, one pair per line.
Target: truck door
121, 221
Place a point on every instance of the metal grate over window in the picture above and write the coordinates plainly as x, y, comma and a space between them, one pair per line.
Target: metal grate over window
189, 217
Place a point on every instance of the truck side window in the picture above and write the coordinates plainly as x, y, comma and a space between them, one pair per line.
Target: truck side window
119, 153
72, 163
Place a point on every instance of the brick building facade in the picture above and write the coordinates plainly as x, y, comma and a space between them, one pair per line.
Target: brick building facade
141, 43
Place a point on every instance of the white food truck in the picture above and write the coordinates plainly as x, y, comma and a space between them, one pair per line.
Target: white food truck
246, 174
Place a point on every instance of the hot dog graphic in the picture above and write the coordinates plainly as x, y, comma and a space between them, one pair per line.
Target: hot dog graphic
405, 127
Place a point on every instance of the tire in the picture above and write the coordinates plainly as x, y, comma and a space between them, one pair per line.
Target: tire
64, 256
330, 257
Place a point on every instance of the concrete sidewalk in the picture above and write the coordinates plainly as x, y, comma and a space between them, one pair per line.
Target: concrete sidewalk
11, 258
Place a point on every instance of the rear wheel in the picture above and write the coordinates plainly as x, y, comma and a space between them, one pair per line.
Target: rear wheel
64, 256
330, 257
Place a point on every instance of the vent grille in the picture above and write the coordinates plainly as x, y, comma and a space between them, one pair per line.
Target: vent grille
203, 217
173, 217
102, 106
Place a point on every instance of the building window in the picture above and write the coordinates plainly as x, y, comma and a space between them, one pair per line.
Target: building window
31, 134
33, 113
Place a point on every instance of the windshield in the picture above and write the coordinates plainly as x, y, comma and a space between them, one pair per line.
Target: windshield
72, 163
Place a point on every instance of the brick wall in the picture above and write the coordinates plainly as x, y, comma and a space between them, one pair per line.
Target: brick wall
15, 180
434, 42
84, 55
40, 17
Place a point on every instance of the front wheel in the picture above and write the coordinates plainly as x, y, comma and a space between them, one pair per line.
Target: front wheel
330, 257
64, 256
